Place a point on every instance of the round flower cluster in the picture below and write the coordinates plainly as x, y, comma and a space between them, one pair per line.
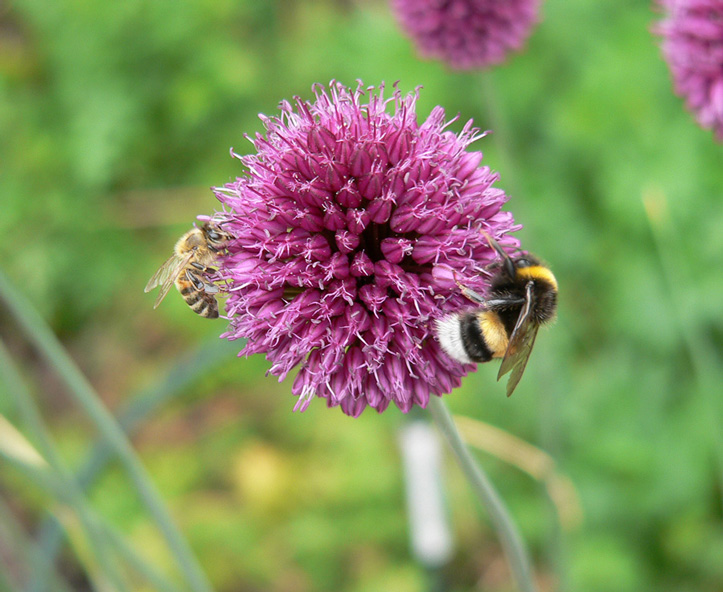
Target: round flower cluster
467, 34
350, 232
692, 32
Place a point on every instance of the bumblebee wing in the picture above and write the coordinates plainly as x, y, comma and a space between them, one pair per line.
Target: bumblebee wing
520, 345
520, 358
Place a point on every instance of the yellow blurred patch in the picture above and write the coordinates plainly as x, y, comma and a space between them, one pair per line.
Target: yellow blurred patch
261, 477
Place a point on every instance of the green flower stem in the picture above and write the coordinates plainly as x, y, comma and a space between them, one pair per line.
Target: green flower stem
47, 344
512, 543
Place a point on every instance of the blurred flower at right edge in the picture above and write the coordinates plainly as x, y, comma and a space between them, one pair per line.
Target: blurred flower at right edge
692, 45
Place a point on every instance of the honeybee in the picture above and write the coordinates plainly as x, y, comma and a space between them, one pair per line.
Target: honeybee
522, 296
188, 269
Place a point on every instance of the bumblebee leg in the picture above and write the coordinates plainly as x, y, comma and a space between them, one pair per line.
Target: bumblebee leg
468, 292
472, 295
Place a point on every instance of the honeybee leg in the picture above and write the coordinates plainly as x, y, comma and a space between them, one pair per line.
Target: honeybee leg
200, 284
202, 268
468, 292
197, 283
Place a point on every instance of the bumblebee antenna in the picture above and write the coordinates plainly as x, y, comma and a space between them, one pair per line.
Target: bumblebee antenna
507, 263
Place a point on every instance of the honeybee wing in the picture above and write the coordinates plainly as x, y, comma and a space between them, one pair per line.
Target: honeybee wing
167, 275
520, 344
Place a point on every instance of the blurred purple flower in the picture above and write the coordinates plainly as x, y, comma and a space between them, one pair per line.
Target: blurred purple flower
467, 34
346, 230
692, 32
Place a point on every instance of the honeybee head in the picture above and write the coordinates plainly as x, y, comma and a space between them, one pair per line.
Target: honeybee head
214, 235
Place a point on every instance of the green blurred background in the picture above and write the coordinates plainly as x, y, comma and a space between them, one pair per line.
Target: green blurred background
116, 118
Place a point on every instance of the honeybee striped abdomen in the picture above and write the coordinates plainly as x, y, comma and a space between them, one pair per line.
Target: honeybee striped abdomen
189, 269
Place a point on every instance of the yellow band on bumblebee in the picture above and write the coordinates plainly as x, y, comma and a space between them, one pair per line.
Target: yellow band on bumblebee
537, 272
493, 333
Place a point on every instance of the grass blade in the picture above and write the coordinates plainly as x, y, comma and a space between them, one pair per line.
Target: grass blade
31, 415
704, 355
49, 458
13, 531
20, 453
50, 348
528, 458
79, 521
186, 371
5, 585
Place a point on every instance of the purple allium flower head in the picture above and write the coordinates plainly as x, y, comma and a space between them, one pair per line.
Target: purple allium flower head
692, 32
350, 231
467, 34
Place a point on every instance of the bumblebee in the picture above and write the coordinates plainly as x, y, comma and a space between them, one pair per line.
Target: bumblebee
522, 296
188, 268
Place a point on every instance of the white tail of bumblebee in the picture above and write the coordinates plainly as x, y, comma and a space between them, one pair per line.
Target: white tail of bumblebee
449, 335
